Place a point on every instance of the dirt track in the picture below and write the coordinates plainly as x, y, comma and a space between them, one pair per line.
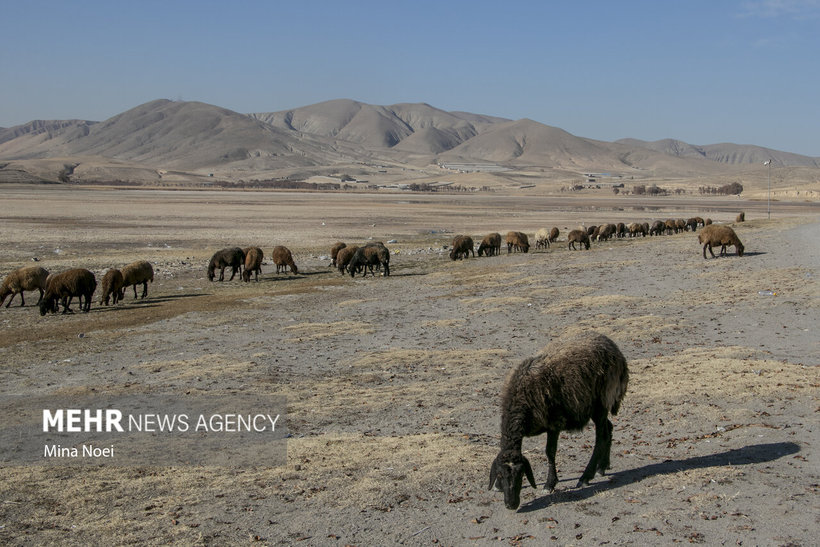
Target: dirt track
392, 383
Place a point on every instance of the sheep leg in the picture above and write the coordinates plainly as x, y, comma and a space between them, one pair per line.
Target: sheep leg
144, 289
12, 298
552, 448
602, 432
603, 465
22, 300
709, 246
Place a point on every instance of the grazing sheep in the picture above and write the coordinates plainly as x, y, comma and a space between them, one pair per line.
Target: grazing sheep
553, 234
253, 263
700, 221
344, 256
490, 245
66, 285
671, 226
542, 239
230, 256
606, 231
645, 228
462, 245
707, 222
372, 254
334, 251
577, 236
283, 259
741, 217
27, 278
692, 224
561, 389
135, 273
658, 228
719, 234
637, 228
517, 241
112, 286
681, 225
620, 229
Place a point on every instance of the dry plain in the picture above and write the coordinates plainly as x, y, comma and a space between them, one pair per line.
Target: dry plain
392, 382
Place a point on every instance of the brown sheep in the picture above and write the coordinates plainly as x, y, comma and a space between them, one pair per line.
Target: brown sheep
27, 278
334, 251
571, 382
517, 241
283, 259
719, 234
606, 231
620, 230
577, 236
66, 285
462, 246
343, 257
112, 283
372, 254
741, 217
490, 245
671, 226
135, 273
253, 263
553, 234
658, 228
637, 228
230, 256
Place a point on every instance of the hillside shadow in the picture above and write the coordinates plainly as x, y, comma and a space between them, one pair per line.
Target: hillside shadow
754, 454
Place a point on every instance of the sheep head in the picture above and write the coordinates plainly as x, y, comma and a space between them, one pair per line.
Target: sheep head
507, 472
739, 248
48, 304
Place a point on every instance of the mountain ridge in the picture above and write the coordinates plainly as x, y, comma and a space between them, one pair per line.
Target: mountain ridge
205, 139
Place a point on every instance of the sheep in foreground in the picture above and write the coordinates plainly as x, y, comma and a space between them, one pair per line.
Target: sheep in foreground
135, 273
517, 241
344, 256
65, 286
28, 278
462, 246
719, 234
372, 254
253, 263
561, 389
490, 245
542, 239
577, 236
334, 251
112, 283
230, 256
283, 259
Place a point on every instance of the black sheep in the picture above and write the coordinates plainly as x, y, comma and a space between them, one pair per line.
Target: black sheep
569, 383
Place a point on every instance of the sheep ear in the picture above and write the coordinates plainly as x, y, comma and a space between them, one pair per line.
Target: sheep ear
528, 472
493, 474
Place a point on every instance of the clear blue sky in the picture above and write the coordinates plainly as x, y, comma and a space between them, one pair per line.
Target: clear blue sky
702, 71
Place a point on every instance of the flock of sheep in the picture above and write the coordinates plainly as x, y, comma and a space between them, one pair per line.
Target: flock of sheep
81, 283
564, 387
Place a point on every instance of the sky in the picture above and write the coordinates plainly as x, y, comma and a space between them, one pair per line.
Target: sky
700, 71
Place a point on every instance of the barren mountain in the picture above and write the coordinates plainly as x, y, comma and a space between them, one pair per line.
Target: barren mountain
144, 143
726, 153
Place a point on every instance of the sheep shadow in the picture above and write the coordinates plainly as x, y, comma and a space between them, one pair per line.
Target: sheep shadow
753, 454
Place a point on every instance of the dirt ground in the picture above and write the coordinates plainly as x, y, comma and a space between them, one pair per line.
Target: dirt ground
392, 383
